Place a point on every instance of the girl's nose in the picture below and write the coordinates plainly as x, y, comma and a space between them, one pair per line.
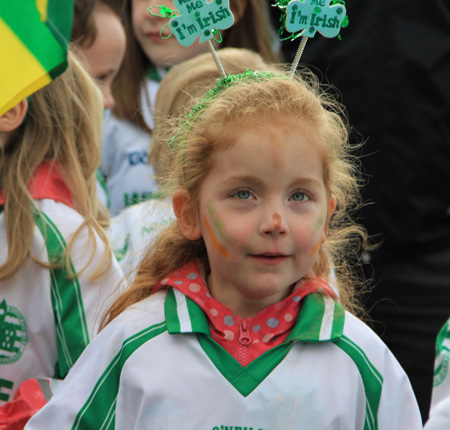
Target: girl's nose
274, 225
108, 99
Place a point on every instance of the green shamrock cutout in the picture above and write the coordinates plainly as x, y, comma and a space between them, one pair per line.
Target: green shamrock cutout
200, 18
310, 16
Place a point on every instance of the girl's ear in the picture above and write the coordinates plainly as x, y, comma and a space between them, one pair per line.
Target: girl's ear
238, 7
12, 119
186, 216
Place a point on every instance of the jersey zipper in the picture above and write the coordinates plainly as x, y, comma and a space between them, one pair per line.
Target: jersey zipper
244, 341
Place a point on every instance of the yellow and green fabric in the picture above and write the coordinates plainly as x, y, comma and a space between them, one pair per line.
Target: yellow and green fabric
34, 37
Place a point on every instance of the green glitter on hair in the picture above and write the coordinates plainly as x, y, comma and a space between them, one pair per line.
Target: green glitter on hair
221, 85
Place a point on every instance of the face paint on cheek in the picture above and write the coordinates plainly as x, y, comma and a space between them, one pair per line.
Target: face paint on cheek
317, 224
215, 243
315, 248
218, 223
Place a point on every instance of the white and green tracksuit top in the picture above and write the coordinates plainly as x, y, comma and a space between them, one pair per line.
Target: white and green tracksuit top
440, 401
46, 317
156, 367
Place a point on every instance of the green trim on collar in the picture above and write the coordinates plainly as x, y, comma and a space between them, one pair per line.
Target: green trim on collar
183, 315
244, 379
154, 74
320, 319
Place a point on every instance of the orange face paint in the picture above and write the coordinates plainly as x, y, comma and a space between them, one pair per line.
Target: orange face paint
218, 223
277, 219
215, 243
316, 247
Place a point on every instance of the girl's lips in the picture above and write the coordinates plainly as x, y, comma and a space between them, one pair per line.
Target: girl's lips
269, 259
156, 36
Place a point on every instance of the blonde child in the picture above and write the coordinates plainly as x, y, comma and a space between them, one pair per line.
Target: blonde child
128, 127
230, 322
56, 267
134, 229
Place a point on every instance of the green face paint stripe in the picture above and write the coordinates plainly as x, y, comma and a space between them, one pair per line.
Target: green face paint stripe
372, 379
71, 327
218, 223
318, 223
99, 409
243, 379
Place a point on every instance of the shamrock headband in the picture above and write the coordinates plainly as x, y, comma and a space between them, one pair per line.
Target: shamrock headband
203, 19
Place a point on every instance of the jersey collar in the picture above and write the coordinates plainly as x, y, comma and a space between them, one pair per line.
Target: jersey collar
320, 318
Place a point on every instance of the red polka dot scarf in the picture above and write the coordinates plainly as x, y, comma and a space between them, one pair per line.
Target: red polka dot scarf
244, 338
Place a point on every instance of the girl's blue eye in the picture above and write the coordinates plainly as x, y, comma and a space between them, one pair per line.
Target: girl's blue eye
299, 197
243, 195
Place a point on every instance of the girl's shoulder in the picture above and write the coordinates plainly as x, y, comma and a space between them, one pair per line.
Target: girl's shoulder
140, 316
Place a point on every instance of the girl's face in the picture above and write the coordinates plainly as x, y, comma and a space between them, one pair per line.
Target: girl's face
105, 55
263, 213
146, 27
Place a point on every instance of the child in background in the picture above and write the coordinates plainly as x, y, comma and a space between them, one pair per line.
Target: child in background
56, 267
127, 130
133, 230
230, 321
98, 32
439, 418
99, 35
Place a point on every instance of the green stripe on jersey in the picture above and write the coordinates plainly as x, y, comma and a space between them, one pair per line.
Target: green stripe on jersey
243, 379
67, 301
99, 411
372, 380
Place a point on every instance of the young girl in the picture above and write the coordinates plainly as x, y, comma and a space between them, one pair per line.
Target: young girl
230, 322
56, 267
127, 129
99, 34
133, 230
98, 40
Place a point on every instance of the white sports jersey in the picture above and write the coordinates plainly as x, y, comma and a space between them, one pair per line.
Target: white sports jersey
132, 231
440, 401
47, 318
156, 367
129, 178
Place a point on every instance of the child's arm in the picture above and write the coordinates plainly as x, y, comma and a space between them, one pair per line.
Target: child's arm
86, 399
96, 292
